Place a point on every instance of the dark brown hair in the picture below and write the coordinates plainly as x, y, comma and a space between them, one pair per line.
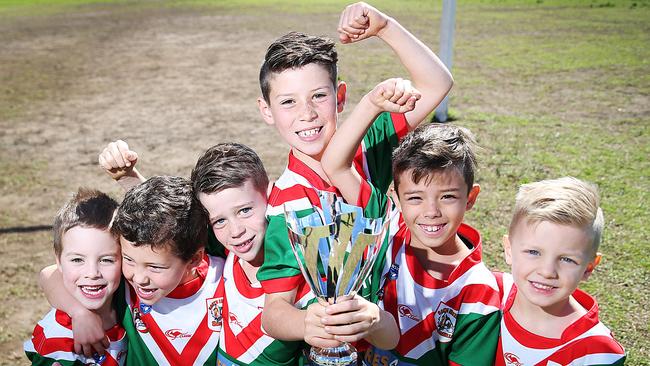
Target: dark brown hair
294, 50
87, 208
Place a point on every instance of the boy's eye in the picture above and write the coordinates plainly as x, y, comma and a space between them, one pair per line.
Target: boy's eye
76, 260
246, 210
414, 199
287, 102
531, 251
107, 260
448, 197
319, 95
156, 268
127, 260
219, 223
568, 260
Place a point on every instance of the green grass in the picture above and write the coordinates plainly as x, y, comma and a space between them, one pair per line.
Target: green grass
549, 87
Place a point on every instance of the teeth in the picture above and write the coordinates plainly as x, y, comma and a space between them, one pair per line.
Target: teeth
307, 133
432, 228
541, 286
92, 289
242, 244
146, 291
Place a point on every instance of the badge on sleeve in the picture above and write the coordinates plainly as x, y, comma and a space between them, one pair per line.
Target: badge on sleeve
215, 316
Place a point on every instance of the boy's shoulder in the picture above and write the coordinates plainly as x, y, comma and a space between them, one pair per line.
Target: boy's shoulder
52, 340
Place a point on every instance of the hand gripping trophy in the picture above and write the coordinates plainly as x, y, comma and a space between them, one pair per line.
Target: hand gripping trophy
336, 247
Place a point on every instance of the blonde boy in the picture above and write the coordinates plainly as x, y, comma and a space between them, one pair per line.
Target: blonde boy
443, 297
88, 259
552, 245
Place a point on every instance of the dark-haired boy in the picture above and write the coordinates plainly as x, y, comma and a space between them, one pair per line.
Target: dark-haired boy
301, 97
171, 315
88, 261
444, 298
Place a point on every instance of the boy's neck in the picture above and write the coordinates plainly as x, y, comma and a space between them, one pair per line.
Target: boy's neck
250, 270
549, 322
312, 162
440, 262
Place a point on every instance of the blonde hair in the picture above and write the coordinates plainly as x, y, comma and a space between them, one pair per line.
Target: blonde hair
564, 201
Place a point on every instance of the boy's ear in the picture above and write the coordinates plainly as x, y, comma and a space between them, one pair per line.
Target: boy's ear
341, 94
591, 266
57, 260
265, 111
507, 250
471, 197
197, 257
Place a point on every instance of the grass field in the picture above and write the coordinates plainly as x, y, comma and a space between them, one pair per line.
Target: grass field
550, 88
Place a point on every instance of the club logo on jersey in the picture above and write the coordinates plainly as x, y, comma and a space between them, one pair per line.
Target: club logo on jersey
99, 359
512, 359
173, 334
406, 311
393, 272
445, 321
120, 355
145, 309
215, 317
232, 319
137, 321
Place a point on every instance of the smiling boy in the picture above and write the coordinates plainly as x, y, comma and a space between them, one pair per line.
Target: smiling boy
88, 260
301, 97
552, 246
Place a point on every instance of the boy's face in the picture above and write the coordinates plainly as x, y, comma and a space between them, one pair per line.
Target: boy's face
237, 217
303, 106
90, 264
153, 274
434, 208
548, 261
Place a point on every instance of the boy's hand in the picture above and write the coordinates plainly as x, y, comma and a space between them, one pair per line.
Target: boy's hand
360, 21
88, 333
315, 333
351, 320
395, 95
118, 160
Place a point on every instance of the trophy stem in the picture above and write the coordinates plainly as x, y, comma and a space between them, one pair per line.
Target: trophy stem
343, 355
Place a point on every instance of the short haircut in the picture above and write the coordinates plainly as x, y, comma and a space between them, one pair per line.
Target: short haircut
163, 212
563, 201
87, 208
228, 165
295, 50
435, 147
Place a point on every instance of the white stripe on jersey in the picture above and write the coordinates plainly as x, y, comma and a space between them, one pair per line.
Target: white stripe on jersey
184, 315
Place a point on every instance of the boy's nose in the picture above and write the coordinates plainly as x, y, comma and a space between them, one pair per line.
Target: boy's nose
309, 112
547, 269
92, 270
432, 211
140, 278
236, 229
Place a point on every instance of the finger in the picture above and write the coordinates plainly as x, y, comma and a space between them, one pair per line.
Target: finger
351, 338
406, 92
88, 350
323, 342
106, 342
132, 156
77, 348
124, 150
117, 154
99, 348
399, 91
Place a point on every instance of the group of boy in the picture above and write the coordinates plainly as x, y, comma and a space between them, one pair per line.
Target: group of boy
429, 300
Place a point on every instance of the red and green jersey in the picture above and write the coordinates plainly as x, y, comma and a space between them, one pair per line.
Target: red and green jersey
182, 328
297, 190
585, 342
242, 340
52, 342
441, 322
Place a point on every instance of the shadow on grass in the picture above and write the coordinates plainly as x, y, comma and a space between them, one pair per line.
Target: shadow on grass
25, 229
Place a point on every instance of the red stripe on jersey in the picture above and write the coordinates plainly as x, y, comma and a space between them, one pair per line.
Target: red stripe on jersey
237, 345
190, 287
417, 334
44, 345
280, 196
63, 319
423, 278
192, 348
475, 293
115, 333
242, 283
583, 347
283, 284
400, 124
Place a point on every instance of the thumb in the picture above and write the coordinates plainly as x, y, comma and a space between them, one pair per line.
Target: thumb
132, 156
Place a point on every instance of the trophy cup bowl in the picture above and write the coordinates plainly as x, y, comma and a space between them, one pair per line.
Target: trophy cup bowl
336, 247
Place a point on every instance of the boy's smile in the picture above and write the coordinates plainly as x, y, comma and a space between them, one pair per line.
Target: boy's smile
237, 218
90, 264
434, 208
303, 106
153, 274
548, 262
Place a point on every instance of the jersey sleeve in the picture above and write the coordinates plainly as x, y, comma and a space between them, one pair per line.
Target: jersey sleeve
475, 340
279, 271
378, 144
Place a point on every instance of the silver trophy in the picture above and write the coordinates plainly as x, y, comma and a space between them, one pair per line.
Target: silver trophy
336, 247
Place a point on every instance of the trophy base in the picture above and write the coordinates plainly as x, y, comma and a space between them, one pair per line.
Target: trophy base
343, 355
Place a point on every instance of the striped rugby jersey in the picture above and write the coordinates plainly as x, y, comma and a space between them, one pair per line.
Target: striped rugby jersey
52, 342
182, 328
441, 322
585, 342
297, 188
242, 340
